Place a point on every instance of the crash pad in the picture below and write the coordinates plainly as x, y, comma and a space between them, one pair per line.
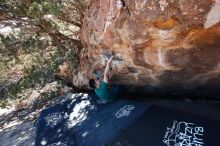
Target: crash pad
160, 126
85, 120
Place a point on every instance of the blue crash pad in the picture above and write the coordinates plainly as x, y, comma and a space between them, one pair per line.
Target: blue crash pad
160, 126
86, 120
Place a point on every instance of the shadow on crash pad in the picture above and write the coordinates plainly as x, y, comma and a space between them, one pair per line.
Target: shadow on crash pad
85, 120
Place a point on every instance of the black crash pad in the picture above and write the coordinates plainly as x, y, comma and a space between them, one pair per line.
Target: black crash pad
84, 120
165, 127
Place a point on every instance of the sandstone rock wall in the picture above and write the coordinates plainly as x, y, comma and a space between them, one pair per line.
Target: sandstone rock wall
161, 46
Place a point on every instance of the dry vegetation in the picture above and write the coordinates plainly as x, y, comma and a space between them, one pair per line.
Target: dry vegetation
38, 40
36, 37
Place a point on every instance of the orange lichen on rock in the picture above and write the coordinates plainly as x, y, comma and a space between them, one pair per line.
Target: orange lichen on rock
165, 25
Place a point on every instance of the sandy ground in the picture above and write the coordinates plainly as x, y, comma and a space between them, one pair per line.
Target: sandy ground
22, 134
17, 126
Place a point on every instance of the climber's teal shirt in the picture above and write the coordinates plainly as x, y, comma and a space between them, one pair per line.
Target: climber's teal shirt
105, 92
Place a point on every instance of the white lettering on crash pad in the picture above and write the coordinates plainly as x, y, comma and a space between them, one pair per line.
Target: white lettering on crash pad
184, 134
53, 119
58, 144
124, 111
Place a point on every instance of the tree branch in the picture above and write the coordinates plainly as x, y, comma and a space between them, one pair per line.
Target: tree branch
78, 24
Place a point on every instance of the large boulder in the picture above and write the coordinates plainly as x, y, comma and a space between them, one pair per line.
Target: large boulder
161, 46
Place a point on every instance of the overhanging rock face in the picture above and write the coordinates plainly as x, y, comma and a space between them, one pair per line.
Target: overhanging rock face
159, 45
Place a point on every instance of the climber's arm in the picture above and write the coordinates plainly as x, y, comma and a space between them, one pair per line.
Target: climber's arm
107, 68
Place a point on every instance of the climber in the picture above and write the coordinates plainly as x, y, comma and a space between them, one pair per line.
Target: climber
103, 89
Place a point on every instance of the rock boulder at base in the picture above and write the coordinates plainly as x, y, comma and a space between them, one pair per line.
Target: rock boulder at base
162, 47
